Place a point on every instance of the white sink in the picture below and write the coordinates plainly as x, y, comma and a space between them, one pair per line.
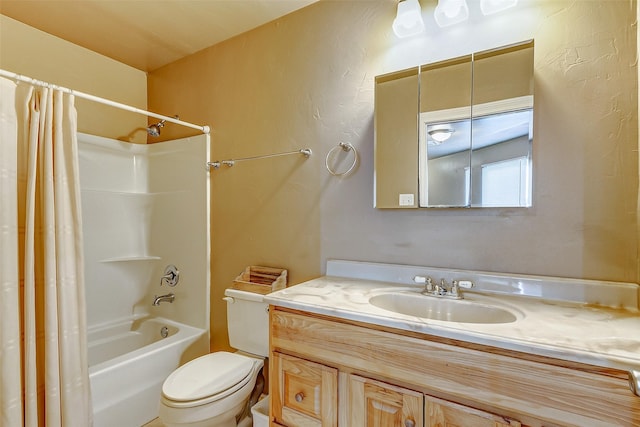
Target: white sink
472, 309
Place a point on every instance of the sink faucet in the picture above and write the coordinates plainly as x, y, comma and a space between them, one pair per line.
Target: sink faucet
442, 290
168, 297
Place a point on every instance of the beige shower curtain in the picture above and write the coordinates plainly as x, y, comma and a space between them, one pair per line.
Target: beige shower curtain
43, 354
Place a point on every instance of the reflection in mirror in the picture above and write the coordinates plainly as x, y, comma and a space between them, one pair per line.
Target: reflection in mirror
445, 133
502, 127
501, 160
445, 168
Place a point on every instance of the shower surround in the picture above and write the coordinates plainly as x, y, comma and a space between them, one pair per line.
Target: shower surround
144, 207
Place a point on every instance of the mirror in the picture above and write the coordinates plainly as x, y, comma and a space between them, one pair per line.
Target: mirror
474, 120
445, 132
396, 151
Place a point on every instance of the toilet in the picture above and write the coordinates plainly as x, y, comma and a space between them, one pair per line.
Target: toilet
218, 389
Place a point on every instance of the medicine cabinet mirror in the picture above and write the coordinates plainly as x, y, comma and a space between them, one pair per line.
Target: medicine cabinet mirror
457, 133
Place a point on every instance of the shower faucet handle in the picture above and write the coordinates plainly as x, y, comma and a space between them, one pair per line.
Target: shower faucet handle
171, 276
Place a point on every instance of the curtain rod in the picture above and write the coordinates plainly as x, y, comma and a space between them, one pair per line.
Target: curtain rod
304, 151
8, 74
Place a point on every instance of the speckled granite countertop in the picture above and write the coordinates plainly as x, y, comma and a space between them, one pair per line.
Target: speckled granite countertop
555, 317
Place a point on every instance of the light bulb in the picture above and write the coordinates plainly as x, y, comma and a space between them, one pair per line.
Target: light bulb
408, 20
449, 12
451, 9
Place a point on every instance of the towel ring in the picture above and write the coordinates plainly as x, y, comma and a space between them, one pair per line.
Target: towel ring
345, 146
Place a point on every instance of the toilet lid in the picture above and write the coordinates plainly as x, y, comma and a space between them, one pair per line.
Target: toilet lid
207, 376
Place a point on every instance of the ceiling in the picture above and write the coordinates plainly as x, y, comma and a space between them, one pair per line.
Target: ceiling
487, 130
147, 34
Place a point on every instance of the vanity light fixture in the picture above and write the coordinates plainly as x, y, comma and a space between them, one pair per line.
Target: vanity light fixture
408, 20
449, 12
440, 133
489, 7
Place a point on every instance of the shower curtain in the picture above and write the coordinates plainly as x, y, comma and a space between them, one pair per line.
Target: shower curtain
44, 376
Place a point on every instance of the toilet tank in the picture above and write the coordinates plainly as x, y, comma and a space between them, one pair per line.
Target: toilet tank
247, 322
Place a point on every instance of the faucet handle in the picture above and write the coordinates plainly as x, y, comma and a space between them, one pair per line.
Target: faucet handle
429, 285
457, 284
455, 289
171, 276
467, 284
428, 282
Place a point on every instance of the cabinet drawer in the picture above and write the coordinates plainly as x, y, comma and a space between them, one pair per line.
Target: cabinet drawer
374, 403
305, 392
438, 412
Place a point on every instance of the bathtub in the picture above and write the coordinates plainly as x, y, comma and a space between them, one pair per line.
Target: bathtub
128, 362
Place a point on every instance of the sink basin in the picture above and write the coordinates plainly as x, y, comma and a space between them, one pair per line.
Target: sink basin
472, 309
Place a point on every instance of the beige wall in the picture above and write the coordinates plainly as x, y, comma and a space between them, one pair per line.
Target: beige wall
33, 53
306, 80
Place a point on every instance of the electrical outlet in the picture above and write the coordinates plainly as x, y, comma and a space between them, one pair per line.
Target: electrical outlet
405, 200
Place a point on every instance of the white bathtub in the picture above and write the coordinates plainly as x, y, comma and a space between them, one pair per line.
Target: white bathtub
128, 362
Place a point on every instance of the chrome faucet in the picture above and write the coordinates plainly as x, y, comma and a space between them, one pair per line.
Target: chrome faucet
162, 298
442, 290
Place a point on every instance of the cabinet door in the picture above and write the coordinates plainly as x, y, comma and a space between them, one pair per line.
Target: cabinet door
305, 393
376, 404
440, 413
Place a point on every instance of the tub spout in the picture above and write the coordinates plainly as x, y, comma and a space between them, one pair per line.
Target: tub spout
168, 297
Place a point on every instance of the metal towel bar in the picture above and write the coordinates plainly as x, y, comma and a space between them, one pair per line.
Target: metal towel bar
306, 152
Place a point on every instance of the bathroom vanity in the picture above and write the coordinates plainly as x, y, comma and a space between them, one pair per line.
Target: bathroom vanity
358, 347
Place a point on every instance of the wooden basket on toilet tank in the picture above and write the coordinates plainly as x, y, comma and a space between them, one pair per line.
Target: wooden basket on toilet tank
261, 280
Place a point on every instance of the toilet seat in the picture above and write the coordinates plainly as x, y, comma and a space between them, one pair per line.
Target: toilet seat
207, 379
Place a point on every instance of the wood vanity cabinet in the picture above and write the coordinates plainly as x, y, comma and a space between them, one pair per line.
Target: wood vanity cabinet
328, 371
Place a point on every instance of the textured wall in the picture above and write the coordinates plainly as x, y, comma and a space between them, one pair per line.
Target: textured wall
26, 50
307, 80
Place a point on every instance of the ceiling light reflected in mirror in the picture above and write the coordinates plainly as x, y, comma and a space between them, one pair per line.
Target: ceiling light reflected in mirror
439, 134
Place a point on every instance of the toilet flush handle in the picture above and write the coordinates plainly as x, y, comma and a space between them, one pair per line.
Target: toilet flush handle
229, 300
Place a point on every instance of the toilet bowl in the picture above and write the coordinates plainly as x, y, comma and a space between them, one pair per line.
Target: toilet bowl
211, 390
214, 390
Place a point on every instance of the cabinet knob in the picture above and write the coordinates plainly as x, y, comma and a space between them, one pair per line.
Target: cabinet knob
409, 423
299, 397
